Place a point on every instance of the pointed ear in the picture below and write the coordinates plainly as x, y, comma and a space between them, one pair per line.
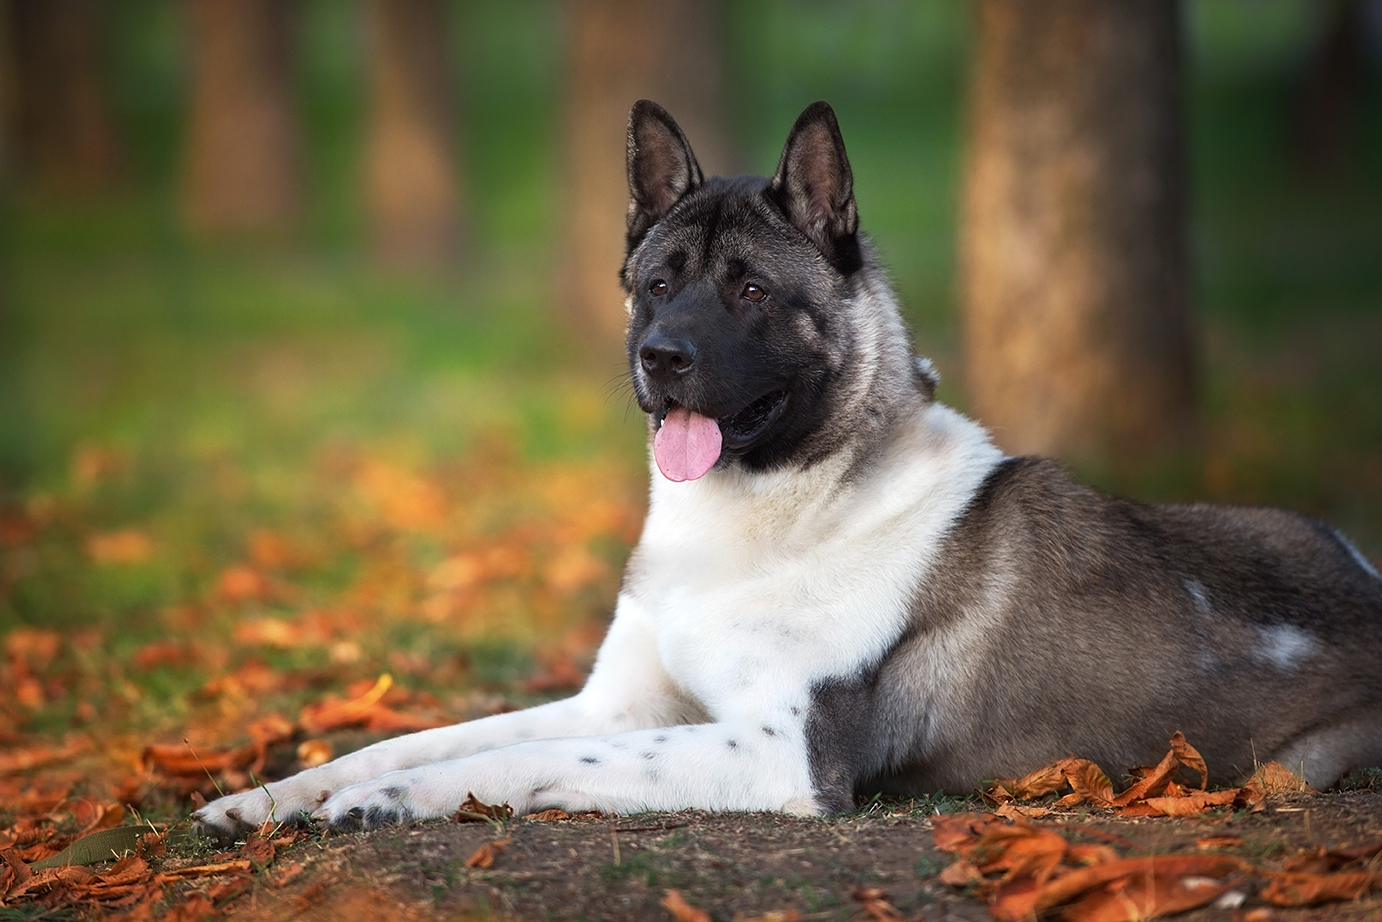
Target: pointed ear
661, 167
815, 188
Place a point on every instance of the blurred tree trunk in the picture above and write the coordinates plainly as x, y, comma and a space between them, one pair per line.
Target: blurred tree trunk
243, 169
413, 195
1073, 229
1333, 84
67, 140
620, 51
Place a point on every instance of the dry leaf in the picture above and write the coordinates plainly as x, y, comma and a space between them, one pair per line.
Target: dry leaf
548, 816
473, 811
1273, 778
1218, 841
875, 905
205, 870
1296, 889
483, 857
683, 911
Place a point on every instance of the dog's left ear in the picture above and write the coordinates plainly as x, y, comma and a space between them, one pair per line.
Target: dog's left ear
661, 167
815, 188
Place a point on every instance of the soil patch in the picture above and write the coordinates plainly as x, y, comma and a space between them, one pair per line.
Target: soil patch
744, 865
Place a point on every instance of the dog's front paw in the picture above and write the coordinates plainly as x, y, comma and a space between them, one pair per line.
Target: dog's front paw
236, 815
390, 799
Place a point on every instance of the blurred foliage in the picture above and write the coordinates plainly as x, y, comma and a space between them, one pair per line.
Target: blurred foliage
278, 456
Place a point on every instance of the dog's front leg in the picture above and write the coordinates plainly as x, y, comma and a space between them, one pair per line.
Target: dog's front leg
627, 689
722, 766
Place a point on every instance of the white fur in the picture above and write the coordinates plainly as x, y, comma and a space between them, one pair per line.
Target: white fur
745, 590
1285, 646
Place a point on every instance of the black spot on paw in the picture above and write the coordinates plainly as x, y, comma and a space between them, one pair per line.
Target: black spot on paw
659, 739
733, 744
590, 760
769, 731
353, 820
392, 793
647, 755
376, 817
796, 712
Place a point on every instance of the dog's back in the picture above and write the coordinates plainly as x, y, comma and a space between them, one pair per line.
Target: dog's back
1062, 621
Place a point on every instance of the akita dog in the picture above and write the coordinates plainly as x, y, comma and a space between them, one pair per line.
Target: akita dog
844, 587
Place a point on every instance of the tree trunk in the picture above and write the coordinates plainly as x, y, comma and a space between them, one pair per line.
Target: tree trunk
67, 141
243, 169
413, 195
620, 51
1073, 234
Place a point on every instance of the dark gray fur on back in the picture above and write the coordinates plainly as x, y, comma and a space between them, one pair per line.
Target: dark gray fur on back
1067, 622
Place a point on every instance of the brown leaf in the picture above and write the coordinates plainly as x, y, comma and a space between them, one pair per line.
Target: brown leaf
683, 911
1088, 780
1045, 780
472, 810
1297, 889
483, 857
1218, 841
548, 816
1189, 805
1071, 886
1012, 811
259, 850
309, 897
205, 870
960, 874
1144, 896
1190, 757
1273, 778
874, 902
286, 874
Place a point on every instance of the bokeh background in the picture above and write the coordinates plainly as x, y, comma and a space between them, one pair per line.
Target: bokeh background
310, 361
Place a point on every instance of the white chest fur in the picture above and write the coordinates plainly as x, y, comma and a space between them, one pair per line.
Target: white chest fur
761, 581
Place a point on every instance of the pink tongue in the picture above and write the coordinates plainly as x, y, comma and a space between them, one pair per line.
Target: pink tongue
687, 445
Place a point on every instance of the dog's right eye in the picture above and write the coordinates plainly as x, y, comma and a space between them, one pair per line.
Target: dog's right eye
658, 288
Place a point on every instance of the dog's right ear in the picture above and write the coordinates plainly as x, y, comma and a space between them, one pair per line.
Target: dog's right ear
661, 167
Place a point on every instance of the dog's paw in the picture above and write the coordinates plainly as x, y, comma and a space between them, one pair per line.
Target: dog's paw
236, 815
397, 797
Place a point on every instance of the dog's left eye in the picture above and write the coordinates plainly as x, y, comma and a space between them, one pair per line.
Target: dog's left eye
753, 292
658, 288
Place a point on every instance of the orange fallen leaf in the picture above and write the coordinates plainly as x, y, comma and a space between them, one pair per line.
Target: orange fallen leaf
548, 816
1218, 841
874, 902
1298, 889
205, 870
683, 911
472, 810
1274, 778
483, 857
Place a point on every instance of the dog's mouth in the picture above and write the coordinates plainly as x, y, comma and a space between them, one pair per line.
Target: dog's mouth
687, 444
742, 429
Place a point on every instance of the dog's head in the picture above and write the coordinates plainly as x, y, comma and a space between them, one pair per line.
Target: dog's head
742, 297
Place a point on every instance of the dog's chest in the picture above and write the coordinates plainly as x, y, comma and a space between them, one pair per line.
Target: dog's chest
767, 591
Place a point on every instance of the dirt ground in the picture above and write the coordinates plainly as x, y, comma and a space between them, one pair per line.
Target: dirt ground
737, 866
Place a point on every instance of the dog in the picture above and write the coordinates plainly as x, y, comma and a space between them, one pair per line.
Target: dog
844, 587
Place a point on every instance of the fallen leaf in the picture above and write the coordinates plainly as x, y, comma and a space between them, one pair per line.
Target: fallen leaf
127, 546
548, 816
1297, 889
205, 870
483, 857
874, 902
472, 810
1273, 778
1218, 841
312, 753
683, 911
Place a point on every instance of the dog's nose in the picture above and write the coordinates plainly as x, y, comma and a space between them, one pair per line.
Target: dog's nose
662, 355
